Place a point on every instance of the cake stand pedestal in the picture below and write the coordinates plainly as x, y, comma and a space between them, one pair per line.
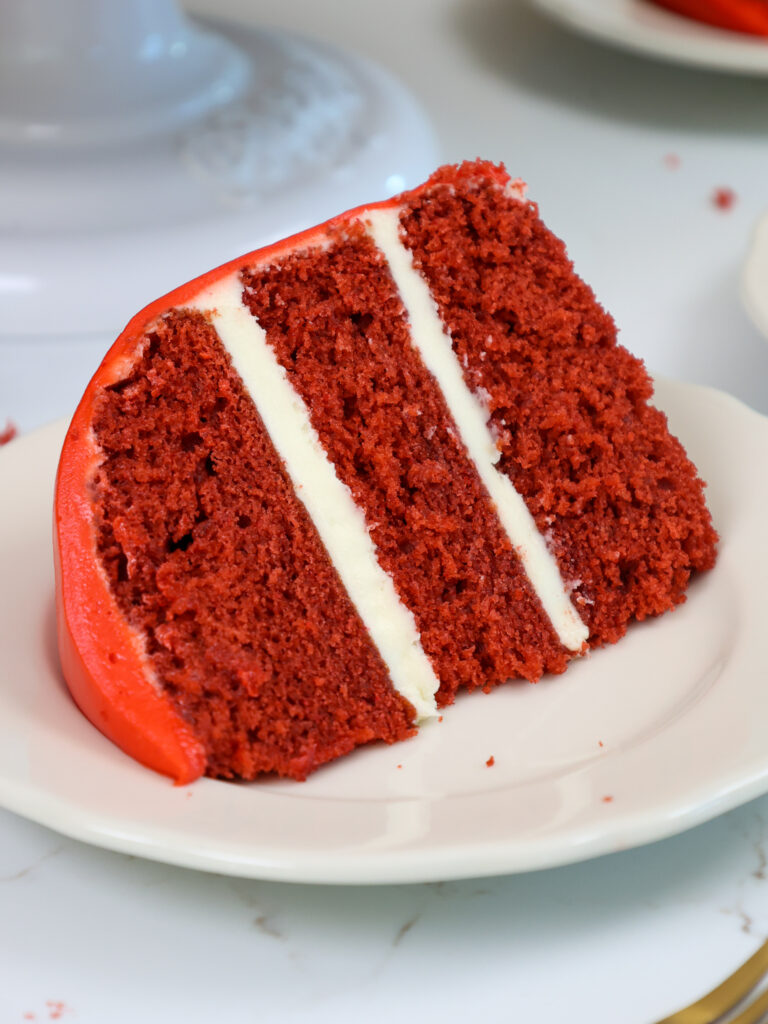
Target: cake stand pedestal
139, 148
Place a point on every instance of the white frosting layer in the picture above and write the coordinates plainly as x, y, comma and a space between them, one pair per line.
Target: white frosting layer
471, 417
330, 504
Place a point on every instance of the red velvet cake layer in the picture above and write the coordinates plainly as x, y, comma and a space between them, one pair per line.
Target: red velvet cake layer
214, 560
614, 493
337, 325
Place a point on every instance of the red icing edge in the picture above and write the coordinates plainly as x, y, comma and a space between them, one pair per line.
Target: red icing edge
749, 16
101, 654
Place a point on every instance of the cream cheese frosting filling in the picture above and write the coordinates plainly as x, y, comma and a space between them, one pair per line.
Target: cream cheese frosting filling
470, 415
339, 522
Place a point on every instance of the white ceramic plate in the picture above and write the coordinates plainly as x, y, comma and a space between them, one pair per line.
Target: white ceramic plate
634, 743
644, 28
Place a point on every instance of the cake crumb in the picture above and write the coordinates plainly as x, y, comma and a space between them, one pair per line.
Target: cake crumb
490, 762
399, 766
11, 430
607, 799
439, 718
56, 1008
723, 198
600, 743
672, 161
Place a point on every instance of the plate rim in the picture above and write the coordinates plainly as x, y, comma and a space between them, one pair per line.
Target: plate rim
391, 868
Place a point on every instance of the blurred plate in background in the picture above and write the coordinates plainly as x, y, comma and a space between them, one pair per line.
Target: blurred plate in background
640, 26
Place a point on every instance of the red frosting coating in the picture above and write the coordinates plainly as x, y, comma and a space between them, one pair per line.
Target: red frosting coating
749, 16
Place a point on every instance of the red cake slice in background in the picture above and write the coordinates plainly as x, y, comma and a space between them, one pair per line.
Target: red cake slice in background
310, 495
749, 16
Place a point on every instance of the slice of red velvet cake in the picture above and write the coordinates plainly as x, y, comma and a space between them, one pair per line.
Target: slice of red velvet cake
309, 496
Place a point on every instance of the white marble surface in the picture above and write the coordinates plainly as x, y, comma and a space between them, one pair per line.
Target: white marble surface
104, 939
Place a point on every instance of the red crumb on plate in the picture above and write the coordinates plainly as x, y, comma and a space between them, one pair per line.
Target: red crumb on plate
600, 743
11, 430
672, 161
723, 198
56, 1008
490, 762
439, 718
607, 799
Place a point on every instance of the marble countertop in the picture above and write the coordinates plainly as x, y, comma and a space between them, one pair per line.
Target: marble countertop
624, 156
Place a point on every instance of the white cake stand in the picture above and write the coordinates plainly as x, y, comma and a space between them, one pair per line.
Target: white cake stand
139, 148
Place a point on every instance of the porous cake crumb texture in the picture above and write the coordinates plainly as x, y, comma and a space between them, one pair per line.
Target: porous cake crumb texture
214, 560
338, 327
611, 489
